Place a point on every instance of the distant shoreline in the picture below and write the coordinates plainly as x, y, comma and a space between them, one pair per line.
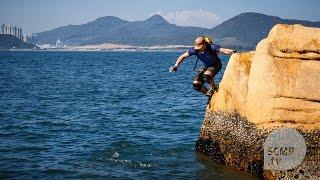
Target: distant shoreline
108, 47
105, 50
116, 47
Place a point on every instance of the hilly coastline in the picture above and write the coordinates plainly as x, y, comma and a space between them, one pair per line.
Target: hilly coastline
153, 31
242, 31
8, 41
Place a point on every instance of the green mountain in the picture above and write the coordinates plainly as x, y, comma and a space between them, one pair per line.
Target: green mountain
241, 32
248, 29
8, 41
153, 31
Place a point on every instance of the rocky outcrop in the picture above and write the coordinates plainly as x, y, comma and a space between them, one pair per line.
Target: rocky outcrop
275, 86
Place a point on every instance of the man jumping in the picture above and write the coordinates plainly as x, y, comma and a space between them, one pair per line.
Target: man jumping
208, 54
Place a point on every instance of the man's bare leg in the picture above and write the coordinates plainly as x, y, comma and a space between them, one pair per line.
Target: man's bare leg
204, 90
213, 85
211, 82
199, 87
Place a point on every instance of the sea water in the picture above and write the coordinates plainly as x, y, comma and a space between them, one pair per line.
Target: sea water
101, 115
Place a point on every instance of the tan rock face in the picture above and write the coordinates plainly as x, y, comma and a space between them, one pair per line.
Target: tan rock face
278, 84
233, 88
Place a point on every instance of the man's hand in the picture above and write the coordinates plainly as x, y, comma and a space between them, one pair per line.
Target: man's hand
173, 69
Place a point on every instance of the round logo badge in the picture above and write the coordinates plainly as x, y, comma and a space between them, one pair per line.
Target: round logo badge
284, 149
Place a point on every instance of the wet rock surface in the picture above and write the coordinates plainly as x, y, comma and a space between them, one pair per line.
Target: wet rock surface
232, 140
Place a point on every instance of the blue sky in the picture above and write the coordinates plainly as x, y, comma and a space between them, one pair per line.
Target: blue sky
41, 15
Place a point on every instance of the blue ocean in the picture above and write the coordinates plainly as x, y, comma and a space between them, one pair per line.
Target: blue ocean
101, 115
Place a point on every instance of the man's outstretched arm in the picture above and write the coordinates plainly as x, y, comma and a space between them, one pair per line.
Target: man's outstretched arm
227, 51
181, 58
179, 61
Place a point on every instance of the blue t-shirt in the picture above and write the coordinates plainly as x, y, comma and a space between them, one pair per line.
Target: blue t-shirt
205, 56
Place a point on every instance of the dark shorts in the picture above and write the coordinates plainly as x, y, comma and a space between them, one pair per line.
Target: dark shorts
213, 69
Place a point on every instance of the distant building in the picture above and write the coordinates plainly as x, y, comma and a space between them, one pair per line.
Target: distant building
26, 38
30, 38
13, 30
19, 35
59, 44
5, 29
33, 39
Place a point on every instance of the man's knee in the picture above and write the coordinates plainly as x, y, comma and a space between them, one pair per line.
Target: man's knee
197, 85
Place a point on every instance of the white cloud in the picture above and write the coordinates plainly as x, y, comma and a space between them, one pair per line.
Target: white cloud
198, 18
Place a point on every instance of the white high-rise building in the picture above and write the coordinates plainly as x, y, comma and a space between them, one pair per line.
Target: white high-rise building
19, 34
26, 38
30, 38
33, 39
13, 30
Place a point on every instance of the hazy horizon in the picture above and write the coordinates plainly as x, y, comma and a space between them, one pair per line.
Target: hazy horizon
37, 15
